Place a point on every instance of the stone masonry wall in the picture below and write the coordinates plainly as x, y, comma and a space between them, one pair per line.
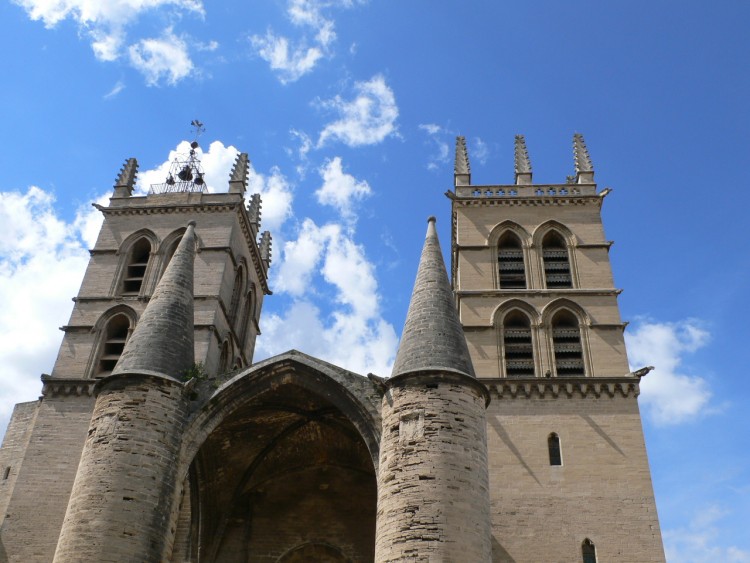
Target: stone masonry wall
123, 505
602, 491
433, 489
43, 481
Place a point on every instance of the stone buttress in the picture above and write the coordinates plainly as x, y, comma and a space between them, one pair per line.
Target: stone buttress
123, 499
433, 498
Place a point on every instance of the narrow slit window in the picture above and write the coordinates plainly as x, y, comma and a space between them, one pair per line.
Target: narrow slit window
556, 261
555, 454
588, 551
511, 267
518, 347
566, 339
115, 336
135, 271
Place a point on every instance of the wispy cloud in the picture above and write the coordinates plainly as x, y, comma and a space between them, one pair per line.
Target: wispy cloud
116, 89
700, 542
366, 119
670, 395
107, 25
291, 59
436, 138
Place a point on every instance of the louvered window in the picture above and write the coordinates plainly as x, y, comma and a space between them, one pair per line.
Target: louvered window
115, 335
588, 551
556, 261
136, 268
553, 444
566, 338
518, 348
510, 262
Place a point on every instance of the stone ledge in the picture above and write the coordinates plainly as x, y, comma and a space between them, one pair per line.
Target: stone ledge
582, 387
58, 387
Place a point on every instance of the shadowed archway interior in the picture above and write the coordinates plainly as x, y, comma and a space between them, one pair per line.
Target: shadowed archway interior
286, 475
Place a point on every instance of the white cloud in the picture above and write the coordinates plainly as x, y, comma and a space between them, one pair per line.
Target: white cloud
290, 59
479, 150
276, 197
165, 59
440, 158
116, 89
37, 246
340, 190
290, 63
366, 119
699, 542
106, 24
669, 395
353, 335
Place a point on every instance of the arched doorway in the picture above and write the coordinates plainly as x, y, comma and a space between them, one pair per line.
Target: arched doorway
285, 476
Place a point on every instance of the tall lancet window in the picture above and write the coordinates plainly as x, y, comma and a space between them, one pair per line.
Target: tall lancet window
555, 453
234, 304
510, 262
135, 271
517, 346
114, 337
556, 261
566, 340
588, 551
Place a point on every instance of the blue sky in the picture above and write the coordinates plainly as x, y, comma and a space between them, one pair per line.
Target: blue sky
349, 110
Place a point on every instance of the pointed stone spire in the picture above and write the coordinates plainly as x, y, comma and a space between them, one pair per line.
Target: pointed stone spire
522, 162
461, 168
238, 177
162, 341
433, 338
125, 181
582, 160
265, 248
253, 210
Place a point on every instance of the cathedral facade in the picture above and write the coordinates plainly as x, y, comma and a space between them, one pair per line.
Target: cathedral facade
508, 431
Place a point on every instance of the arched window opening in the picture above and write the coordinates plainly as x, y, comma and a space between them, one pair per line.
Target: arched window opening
234, 304
512, 271
518, 348
115, 336
224, 358
588, 551
136, 268
556, 261
555, 454
566, 340
248, 309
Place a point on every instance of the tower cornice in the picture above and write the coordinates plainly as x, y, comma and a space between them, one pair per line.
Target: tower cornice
549, 388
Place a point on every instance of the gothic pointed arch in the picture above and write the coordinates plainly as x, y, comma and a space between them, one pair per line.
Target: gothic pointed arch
555, 245
238, 288
135, 263
516, 323
510, 243
290, 439
566, 325
112, 330
248, 314
166, 251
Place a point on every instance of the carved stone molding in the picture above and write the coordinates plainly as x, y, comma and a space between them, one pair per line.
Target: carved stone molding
57, 387
580, 387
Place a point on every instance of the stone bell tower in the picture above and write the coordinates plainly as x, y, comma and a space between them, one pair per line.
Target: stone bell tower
569, 475
138, 240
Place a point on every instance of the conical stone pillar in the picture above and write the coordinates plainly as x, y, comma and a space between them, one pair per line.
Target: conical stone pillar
433, 491
123, 499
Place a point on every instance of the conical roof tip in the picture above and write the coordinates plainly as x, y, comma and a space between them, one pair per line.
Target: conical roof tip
162, 342
433, 338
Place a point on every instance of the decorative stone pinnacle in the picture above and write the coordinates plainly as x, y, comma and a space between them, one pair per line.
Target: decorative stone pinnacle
238, 176
265, 248
581, 156
461, 165
522, 162
432, 339
162, 342
125, 181
254, 209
